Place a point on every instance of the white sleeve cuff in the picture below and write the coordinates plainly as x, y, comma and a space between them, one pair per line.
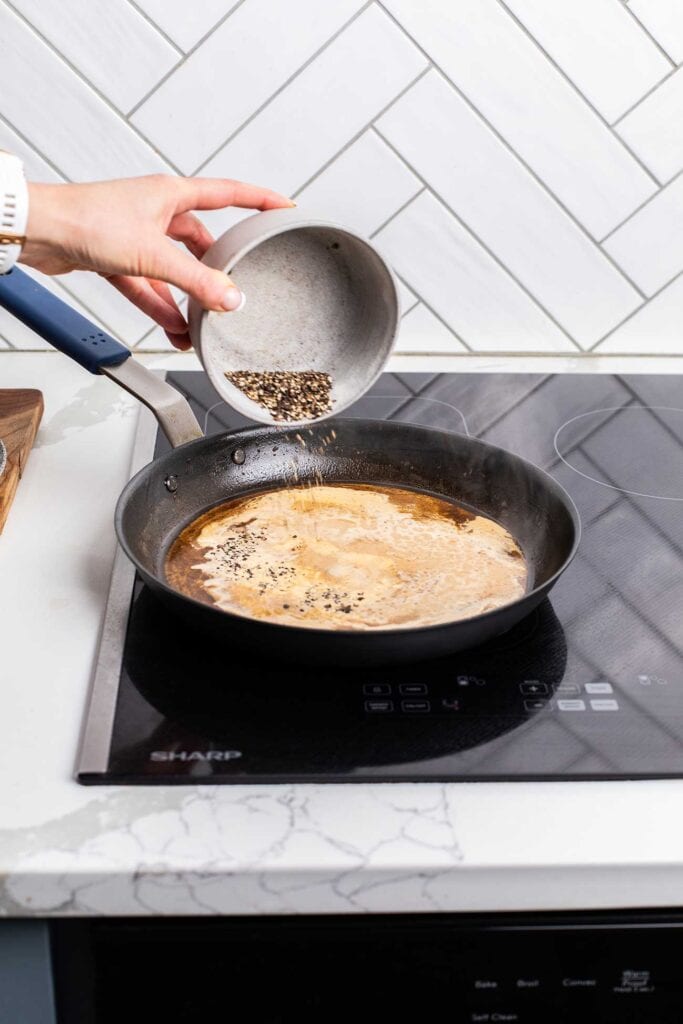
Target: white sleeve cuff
13, 210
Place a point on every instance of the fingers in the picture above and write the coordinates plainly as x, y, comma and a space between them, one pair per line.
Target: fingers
187, 228
181, 341
142, 294
215, 193
155, 299
164, 292
213, 289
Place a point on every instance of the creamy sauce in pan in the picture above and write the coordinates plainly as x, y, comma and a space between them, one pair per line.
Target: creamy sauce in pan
347, 557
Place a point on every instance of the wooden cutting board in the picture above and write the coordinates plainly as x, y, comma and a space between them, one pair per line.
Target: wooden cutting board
20, 413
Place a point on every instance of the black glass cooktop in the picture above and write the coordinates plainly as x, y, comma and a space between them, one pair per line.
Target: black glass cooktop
590, 686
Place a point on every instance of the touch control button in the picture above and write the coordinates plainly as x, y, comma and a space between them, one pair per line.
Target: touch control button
415, 705
533, 687
535, 705
377, 689
604, 705
571, 705
379, 705
412, 689
635, 981
485, 1017
567, 688
599, 688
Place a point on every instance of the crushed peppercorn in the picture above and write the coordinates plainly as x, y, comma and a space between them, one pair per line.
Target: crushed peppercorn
291, 395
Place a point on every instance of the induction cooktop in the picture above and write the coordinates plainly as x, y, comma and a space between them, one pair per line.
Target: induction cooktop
590, 686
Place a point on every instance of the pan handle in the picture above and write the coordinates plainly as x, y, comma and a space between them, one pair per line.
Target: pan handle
97, 352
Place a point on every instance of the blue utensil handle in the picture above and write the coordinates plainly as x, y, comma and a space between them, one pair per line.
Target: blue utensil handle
56, 322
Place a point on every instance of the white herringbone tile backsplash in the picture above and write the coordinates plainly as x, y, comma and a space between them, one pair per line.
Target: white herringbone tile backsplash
519, 162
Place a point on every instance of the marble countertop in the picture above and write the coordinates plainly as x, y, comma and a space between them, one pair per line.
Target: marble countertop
66, 849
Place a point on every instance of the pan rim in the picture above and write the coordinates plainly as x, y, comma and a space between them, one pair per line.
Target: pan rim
251, 432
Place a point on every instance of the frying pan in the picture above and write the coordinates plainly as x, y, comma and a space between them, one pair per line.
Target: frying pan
200, 473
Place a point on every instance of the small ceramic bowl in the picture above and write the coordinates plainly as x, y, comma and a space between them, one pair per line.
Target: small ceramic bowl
318, 297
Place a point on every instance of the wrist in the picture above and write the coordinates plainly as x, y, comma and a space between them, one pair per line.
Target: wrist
45, 223
52, 228
13, 210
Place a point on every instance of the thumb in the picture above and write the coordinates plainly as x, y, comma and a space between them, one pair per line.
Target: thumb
212, 288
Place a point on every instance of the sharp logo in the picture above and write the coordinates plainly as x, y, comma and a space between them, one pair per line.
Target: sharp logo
194, 755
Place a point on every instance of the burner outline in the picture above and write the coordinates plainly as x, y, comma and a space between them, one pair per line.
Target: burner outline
603, 483
413, 398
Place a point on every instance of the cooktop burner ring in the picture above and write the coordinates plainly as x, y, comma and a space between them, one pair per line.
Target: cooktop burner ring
414, 398
620, 409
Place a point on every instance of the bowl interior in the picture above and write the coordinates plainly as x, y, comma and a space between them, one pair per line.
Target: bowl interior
317, 298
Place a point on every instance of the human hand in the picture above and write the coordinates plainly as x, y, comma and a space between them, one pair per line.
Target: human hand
123, 229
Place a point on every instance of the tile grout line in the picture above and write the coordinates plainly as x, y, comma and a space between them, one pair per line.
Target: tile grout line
396, 212
368, 126
161, 351
483, 245
642, 206
466, 345
420, 298
640, 308
486, 354
437, 316
431, 309
643, 28
150, 330
185, 56
284, 85
12, 127
140, 340
411, 307
157, 28
503, 141
644, 97
420, 301
93, 88
575, 89
134, 346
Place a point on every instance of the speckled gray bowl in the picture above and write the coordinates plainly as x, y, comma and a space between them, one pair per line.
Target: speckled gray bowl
318, 297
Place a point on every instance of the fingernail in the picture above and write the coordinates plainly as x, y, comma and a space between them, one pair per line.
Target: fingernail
232, 299
292, 203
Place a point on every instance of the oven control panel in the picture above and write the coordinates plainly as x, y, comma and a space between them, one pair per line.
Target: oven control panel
573, 974
617, 967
